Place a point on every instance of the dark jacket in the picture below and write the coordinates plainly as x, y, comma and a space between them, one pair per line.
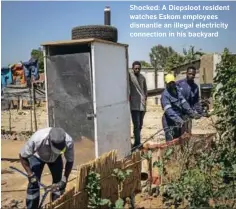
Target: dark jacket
174, 106
191, 93
138, 92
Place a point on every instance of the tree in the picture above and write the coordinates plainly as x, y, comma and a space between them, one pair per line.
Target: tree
191, 55
145, 64
166, 58
174, 61
38, 54
159, 55
158, 58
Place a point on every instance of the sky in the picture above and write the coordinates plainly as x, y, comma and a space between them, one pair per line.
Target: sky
25, 25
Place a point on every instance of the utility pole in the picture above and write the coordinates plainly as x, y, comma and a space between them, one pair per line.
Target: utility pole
155, 74
155, 71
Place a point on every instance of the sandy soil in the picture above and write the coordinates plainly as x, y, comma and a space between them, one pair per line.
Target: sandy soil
20, 120
13, 185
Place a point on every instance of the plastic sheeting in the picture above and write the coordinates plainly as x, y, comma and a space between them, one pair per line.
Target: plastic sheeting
18, 74
70, 94
31, 68
6, 76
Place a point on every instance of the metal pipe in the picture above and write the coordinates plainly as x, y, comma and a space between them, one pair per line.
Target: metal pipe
107, 16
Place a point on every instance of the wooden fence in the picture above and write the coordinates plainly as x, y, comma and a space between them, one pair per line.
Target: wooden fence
77, 197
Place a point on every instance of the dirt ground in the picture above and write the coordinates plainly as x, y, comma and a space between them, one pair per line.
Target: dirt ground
13, 185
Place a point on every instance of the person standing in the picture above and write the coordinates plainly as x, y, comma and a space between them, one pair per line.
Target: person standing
174, 106
46, 146
138, 100
190, 91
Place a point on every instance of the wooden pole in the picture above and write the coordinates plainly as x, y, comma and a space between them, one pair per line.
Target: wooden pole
34, 99
31, 117
18, 103
9, 106
151, 177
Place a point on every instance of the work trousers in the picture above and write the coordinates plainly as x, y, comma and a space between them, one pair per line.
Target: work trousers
33, 190
172, 133
137, 119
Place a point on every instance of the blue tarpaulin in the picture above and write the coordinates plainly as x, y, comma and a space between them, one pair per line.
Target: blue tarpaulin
6, 76
31, 68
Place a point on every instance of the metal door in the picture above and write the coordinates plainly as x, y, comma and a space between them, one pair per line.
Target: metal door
112, 121
70, 100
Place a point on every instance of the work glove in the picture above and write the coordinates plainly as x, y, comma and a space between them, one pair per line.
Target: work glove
62, 184
32, 179
180, 123
196, 116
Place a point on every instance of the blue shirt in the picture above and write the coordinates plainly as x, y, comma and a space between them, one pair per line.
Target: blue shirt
174, 105
191, 93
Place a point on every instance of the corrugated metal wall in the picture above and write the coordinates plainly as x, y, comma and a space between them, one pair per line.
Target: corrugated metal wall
206, 69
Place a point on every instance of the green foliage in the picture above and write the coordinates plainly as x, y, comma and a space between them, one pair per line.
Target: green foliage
145, 64
225, 94
167, 58
225, 109
93, 189
147, 156
38, 54
191, 55
121, 175
159, 55
119, 203
192, 186
160, 164
211, 174
173, 61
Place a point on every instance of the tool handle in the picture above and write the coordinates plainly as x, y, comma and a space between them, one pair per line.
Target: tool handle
19, 171
43, 199
24, 174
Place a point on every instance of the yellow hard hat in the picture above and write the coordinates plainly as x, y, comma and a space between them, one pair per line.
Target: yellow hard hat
169, 78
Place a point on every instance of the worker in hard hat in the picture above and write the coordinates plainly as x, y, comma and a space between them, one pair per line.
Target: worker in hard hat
174, 106
46, 146
190, 91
